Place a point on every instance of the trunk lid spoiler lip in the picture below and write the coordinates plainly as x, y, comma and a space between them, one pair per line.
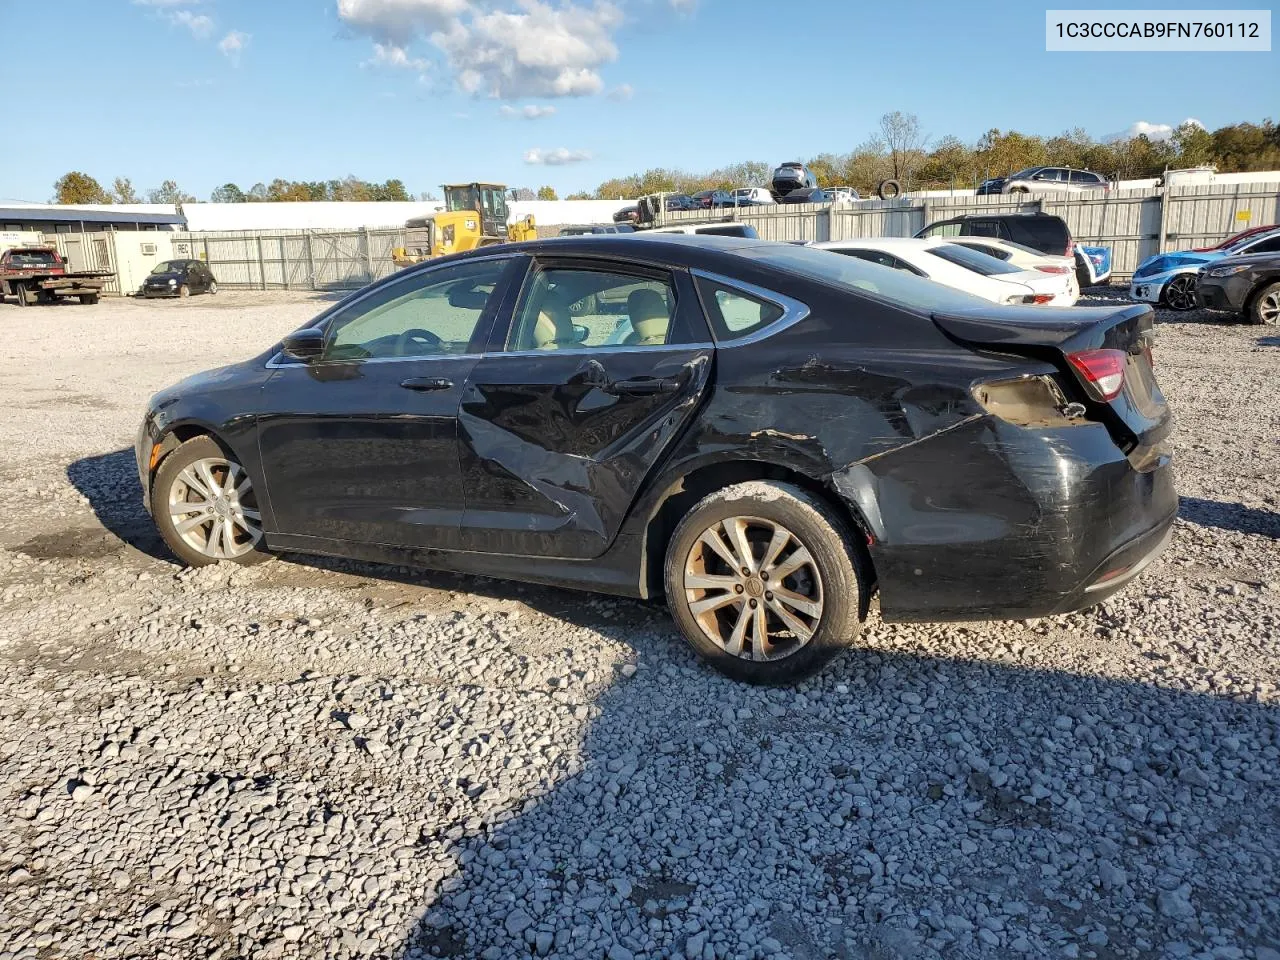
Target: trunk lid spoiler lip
1044, 331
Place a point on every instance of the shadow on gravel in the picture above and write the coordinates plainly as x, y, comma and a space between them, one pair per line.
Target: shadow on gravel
1269, 341
110, 483
897, 807
1229, 516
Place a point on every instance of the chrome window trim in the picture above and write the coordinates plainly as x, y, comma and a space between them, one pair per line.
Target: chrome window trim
277, 361
793, 311
602, 348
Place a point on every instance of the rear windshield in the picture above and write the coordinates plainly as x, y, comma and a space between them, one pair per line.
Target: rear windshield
1048, 234
973, 260
32, 258
827, 266
731, 230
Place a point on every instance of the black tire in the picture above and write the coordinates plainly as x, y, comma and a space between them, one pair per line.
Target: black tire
195, 449
89, 299
1264, 308
213, 288
889, 190
1180, 293
842, 584
27, 297
184, 291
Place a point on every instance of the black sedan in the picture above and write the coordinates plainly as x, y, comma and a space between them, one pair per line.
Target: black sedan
179, 278
1248, 285
757, 432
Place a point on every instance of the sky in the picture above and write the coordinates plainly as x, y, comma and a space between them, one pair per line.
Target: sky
566, 94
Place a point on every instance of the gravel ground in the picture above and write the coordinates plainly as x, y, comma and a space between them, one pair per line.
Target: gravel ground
320, 759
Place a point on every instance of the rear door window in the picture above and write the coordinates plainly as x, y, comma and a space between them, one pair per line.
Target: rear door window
983, 227
949, 229
979, 263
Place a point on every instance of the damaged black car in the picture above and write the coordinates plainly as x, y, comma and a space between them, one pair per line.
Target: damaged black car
760, 434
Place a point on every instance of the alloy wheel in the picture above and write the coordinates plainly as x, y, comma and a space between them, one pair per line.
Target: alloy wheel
213, 508
753, 588
1268, 308
1181, 293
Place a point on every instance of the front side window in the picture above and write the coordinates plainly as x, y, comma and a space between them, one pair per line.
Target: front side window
580, 308
943, 230
429, 314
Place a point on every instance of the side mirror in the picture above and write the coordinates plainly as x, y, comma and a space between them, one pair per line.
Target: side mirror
1038, 176
305, 345
580, 333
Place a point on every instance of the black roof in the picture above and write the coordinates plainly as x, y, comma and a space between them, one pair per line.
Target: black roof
73, 215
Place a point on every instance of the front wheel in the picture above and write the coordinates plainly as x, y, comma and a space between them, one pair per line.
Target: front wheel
1180, 293
1265, 308
213, 287
184, 291
766, 582
205, 506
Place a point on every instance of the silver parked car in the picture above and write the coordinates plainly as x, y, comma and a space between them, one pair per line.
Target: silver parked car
1053, 180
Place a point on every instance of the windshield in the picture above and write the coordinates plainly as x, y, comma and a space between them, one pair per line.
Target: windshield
169, 266
1242, 240
898, 286
32, 258
1025, 174
973, 260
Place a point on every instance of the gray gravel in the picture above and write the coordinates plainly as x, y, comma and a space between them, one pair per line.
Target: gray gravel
323, 759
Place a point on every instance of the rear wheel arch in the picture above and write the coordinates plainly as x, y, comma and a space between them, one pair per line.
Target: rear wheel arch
684, 492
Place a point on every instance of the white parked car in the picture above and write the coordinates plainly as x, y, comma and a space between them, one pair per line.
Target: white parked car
722, 229
1026, 258
843, 194
753, 196
957, 266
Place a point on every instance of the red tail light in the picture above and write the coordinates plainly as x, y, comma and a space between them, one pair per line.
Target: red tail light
1101, 370
1071, 247
1042, 298
1053, 268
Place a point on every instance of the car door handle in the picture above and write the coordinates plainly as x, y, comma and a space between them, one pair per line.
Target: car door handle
426, 384
644, 386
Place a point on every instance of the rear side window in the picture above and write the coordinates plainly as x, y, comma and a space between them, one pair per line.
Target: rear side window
982, 228
1268, 245
730, 230
734, 313
884, 259
1046, 234
990, 251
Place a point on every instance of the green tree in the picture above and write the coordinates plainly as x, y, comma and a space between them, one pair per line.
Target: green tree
77, 187
548, 193
169, 192
905, 142
122, 191
257, 193
391, 191
580, 195
1194, 143
228, 193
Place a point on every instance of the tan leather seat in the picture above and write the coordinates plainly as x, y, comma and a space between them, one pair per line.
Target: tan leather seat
648, 314
554, 326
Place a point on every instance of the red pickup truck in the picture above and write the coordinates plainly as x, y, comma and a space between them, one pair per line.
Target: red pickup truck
39, 275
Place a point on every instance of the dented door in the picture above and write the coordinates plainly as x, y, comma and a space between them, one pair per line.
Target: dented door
556, 441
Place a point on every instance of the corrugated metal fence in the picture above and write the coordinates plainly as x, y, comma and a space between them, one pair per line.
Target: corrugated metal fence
1131, 222
293, 259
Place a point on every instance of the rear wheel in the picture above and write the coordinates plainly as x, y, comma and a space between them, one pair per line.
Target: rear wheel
184, 291
27, 296
1180, 293
765, 582
88, 298
205, 506
213, 287
1265, 308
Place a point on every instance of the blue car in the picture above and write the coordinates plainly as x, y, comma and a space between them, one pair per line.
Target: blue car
1170, 278
1093, 265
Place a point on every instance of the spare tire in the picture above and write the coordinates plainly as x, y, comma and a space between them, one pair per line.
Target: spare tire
889, 189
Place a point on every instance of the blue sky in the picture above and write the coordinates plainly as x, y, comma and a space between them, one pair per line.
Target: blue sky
210, 91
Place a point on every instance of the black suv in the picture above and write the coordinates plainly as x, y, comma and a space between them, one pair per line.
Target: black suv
1039, 231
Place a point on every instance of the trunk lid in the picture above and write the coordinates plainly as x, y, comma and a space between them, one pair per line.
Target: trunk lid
1073, 339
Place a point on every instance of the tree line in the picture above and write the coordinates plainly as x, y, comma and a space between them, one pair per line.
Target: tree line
79, 187
900, 150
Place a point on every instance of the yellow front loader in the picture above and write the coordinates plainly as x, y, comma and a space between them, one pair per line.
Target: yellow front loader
474, 215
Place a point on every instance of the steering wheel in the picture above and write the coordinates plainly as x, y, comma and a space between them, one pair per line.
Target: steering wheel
415, 335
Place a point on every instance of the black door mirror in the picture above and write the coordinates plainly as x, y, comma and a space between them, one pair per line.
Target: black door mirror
305, 345
580, 333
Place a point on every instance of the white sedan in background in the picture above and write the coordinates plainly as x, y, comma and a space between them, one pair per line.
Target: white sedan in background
1026, 258
954, 265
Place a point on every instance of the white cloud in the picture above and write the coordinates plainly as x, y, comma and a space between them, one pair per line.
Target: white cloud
232, 44
622, 92
399, 21
532, 111
541, 48
555, 158
390, 55
199, 25
1155, 132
